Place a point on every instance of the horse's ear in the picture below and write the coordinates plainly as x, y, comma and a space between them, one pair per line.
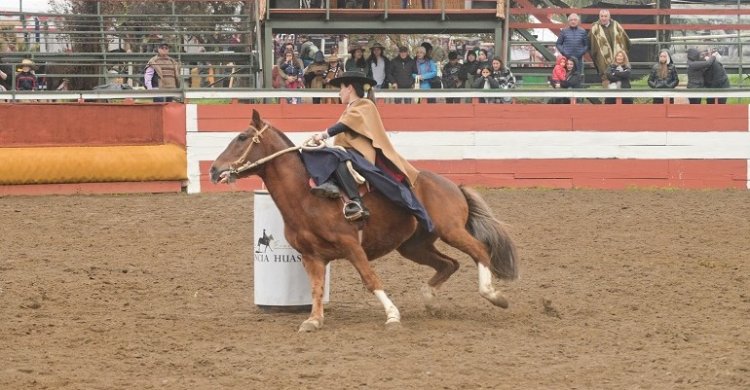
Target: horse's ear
256, 122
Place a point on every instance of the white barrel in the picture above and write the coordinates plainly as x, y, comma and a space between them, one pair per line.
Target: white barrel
279, 276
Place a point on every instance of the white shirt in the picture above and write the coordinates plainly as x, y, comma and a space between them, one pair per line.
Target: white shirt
378, 70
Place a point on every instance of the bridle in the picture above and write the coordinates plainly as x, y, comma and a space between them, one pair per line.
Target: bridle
247, 165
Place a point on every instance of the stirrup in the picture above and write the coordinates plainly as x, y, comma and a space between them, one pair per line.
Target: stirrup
354, 211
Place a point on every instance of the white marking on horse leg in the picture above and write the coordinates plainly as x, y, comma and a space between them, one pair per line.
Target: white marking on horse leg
391, 311
487, 290
429, 295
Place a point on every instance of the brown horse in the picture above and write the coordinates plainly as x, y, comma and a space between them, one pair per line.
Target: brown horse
317, 229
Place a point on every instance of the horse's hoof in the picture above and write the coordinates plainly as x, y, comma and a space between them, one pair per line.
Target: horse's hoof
392, 325
499, 301
309, 326
432, 308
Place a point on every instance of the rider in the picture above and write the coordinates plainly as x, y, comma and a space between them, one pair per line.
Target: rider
361, 134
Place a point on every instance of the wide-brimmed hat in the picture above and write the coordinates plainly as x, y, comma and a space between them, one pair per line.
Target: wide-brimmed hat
353, 76
355, 48
27, 62
377, 45
332, 58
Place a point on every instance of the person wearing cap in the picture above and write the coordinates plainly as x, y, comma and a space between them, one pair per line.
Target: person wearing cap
162, 72
377, 65
360, 137
400, 72
26, 79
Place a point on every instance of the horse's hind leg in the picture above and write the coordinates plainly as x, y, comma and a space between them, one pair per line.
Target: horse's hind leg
420, 248
465, 242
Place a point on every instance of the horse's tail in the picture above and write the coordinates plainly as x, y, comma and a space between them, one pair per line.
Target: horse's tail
492, 233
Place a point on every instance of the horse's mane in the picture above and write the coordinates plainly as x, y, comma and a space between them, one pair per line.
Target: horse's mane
281, 134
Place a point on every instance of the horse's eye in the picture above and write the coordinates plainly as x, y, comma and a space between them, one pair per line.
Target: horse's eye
242, 137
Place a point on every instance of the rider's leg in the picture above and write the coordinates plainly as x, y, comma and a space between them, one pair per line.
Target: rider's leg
354, 210
326, 190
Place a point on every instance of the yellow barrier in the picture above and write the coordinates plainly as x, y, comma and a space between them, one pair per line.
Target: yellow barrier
44, 165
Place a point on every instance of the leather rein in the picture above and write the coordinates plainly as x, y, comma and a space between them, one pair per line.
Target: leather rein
256, 140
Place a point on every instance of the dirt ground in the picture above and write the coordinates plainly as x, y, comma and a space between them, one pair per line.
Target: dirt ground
619, 290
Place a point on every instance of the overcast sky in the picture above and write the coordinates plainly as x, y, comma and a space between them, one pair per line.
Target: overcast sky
28, 5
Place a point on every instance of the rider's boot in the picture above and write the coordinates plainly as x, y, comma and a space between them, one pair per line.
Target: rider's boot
354, 210
326, 190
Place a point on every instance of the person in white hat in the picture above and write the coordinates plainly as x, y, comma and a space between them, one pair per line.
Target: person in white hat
26, 79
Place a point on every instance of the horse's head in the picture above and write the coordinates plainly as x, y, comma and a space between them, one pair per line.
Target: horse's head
238, 159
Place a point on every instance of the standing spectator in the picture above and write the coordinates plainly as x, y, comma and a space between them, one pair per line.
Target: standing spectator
572, 80
26, 79
469, 70
400, 72
558, 72
307, 50
356, 61
5, 76
377, 65
607, 37
162, 72
715, 77
573, 41
426, 71
334, 69
452, 76
291, 73
696, 68
485, 81
618, 75
663, 75
504, 77
315, 74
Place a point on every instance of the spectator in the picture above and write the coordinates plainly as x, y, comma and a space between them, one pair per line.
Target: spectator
377, 65
715, 77
291, 73
696, 67
663, 75
558, 72
482, 61
504, 77
356, 61
400, 72
307, 50
426, 71
26, 79
283, 49
5, 77
315, 74
470, 69
607, 37
485, 81
572, 80
334, 69
618, 75
162, 72
452, 76
573, 41
117, 82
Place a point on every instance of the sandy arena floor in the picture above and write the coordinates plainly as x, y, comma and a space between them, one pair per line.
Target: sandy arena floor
619, 290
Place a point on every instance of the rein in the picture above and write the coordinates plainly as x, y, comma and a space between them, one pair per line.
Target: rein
256, 140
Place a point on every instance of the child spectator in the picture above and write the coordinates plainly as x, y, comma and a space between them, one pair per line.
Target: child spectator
485, 81
558, 73
572, 80
26, 79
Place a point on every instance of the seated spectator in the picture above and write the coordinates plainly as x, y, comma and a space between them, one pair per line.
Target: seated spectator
452, 75
573, 79
663, 75
485, 81
504, 77
618, 75
558, 72
291, 72
356, 61
26, 79
315, 73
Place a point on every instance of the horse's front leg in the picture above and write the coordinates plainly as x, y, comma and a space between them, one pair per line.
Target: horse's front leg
358, 258
316, 271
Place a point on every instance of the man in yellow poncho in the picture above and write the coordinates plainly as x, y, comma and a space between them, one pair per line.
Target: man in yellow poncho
361, 134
